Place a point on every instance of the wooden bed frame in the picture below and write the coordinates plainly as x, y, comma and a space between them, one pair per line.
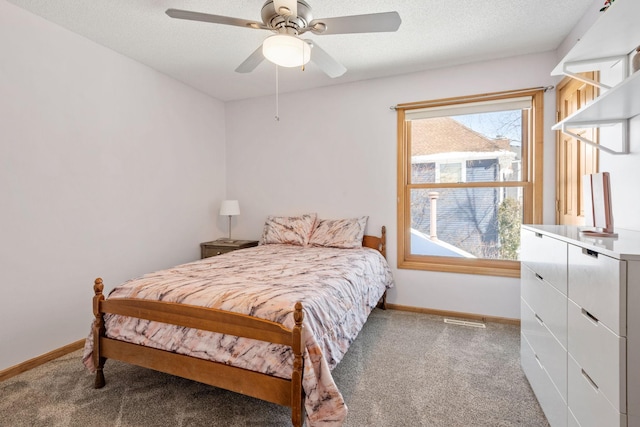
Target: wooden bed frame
286, 392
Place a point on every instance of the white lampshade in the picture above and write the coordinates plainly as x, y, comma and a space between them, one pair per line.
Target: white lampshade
286, 50
230, 207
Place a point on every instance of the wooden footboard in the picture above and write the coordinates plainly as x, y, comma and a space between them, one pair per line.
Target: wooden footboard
287, 392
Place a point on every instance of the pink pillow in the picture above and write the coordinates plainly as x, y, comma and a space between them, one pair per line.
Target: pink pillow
291, 230
339, 233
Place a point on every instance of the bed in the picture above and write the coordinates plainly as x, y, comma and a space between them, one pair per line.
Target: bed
270, 322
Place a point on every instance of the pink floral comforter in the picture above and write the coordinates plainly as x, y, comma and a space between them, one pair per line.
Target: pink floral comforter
338, 289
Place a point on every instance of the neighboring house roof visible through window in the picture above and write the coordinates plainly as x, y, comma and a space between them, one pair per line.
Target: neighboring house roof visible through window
445, 135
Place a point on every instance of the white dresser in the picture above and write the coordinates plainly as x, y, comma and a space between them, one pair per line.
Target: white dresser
580, 317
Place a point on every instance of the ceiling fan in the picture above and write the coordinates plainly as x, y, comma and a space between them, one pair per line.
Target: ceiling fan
289, 19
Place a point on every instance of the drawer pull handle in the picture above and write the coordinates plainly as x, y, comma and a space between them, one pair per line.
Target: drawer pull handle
538, 319
589, 316
589, 380
539, 235
539, 277
538, 360
589, 252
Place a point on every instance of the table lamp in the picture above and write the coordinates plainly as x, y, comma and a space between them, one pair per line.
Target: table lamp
230, 208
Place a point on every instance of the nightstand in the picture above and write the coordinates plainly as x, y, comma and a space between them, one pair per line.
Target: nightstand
222, 246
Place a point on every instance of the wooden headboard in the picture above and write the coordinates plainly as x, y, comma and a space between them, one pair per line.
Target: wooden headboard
377, 243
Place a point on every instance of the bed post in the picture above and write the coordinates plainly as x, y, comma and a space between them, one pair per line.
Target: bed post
98, 331
297, 401
383, 250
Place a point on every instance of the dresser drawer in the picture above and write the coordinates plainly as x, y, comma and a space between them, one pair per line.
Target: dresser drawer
597, 284
589, 406
551, 355
601, 353
546, 301
210, 251
554, 407
546, 256
223, 246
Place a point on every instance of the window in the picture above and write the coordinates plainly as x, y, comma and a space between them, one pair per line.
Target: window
469, 174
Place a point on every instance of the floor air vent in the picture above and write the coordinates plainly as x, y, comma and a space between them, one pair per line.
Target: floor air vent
465, 323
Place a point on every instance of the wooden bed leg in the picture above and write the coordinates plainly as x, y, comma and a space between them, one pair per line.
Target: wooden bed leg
383, 301
297, 400
98, 331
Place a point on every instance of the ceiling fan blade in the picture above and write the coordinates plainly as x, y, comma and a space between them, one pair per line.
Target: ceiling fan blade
325, 62
286, 7
251, 62
215, 19
369, 23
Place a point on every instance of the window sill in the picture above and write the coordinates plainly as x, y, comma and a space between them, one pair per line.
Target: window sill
486, 268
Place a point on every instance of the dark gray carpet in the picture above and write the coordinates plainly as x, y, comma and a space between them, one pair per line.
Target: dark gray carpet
405, 369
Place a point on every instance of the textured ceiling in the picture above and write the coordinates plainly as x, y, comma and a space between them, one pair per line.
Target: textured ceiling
433, 34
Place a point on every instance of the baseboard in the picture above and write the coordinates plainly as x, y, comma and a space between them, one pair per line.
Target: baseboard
40, 360
445, 313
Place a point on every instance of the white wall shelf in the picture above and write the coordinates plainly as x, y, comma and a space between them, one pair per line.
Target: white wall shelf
615, 33
611, 39
620, 102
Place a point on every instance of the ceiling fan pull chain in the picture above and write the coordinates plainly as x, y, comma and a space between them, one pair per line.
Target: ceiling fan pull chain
277, 100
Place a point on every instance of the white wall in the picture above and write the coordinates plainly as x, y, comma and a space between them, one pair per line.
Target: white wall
625, 175
334, 152
107, 168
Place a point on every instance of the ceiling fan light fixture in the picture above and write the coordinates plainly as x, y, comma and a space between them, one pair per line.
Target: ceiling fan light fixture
286, 50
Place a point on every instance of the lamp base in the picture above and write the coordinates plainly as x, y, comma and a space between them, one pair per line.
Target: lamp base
226, 240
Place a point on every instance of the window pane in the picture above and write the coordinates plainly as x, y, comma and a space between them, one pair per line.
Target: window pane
450, 172
478, 222
470, 148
